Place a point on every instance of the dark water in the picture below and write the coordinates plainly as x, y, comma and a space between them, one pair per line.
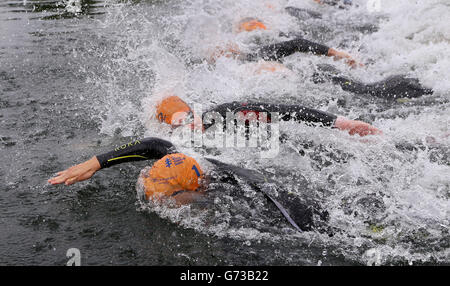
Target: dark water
57, 96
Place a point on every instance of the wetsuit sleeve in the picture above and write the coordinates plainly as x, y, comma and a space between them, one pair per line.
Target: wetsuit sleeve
297, 113
304, 114
287, 48
145, 149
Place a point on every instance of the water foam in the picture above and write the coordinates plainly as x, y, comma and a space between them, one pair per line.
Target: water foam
388, 195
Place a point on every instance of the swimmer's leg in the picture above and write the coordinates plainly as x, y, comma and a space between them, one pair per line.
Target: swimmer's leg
398, 86
393, 87
306, 213
330, 73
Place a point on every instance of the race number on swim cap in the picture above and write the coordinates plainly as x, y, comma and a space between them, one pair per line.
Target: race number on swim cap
170, 106
172, 173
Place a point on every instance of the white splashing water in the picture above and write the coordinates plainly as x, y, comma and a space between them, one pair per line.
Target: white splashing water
389, 195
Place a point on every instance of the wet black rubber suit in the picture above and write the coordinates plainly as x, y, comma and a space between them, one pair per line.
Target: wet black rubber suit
301, 213
285, 112
399, 86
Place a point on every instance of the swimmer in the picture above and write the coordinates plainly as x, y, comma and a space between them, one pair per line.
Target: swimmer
178, 178
277, 51
175, 112
394, 87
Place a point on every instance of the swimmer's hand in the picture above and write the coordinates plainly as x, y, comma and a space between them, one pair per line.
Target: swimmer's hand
77, 173
338, 55
356, 127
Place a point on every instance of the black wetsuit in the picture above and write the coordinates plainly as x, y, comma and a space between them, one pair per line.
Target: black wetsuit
285, 112
393, 87
141, 151
275, 52
145, 149
302, 214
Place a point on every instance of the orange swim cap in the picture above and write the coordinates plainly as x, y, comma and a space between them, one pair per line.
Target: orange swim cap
170, 174
250, 24
169, 106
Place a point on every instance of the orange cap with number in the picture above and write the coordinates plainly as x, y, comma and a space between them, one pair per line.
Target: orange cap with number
250, 24
172, 173
170, 106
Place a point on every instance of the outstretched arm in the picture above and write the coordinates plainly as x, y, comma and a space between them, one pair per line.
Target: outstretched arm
277, 51
300, 113
305, 114
285, 112
145, 149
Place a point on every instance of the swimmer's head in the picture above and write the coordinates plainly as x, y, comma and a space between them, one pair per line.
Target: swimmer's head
171, 175
250, 24
174, 111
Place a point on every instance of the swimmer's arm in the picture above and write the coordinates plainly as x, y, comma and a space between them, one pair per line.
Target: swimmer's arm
145, 149
304, 114
277, 51
297, 113
309, 115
